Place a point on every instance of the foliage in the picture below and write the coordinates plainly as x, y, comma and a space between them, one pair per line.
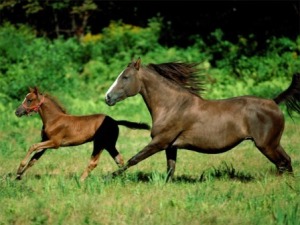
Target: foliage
68, 64
52, 66
78, 13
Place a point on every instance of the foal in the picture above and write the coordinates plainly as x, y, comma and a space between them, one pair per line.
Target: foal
62, 130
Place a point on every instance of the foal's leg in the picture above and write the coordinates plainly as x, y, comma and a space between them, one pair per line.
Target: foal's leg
279, 157
32, 161
171, 154
114, 153
111, 142
105, 137
36, 156
38, 148
93, 162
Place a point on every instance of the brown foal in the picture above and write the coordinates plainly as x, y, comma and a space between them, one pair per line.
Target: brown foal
61, 129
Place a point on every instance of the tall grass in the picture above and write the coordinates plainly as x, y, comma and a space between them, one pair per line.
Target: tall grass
236, 187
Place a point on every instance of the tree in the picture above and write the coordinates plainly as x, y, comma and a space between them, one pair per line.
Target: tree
74, 24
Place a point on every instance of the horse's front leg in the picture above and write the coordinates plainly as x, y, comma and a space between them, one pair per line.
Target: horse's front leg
149, 150
31, 162
171, 154
37, 155
38, 148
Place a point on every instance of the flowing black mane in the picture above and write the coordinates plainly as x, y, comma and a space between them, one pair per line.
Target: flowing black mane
56, 102
184, 74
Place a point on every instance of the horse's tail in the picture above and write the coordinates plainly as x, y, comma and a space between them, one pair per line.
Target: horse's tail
133, 125
291, 96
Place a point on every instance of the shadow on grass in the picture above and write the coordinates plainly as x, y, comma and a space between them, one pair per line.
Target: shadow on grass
223, 172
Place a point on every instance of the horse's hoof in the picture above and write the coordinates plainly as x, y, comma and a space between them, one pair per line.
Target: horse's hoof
19, 177
108, 178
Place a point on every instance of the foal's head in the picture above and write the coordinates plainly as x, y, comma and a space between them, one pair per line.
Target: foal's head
127, 84
31, 103
34, 100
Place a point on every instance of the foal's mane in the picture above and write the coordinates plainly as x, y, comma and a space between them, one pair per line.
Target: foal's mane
56, 102
185, 75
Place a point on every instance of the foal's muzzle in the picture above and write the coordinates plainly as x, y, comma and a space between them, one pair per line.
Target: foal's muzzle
20, 111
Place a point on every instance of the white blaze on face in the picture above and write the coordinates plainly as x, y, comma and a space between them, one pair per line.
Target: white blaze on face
113, 85
25, 99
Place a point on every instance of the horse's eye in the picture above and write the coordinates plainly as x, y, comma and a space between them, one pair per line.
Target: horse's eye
29, 100
125, 78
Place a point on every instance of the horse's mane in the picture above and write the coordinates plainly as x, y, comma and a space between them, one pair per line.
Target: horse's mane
56, 102
185, 75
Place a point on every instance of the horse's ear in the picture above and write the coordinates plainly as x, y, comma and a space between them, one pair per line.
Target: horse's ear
31, 89
36, 91
137, 64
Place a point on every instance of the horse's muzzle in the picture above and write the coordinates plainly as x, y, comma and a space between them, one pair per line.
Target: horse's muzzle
109, 101
20, 111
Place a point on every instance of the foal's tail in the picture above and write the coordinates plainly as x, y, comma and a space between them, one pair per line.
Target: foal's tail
133, 125
291, 96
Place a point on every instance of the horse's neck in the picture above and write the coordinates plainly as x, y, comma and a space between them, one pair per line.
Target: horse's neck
49, 111
161, 95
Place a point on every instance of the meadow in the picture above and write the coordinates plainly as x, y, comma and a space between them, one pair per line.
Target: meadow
236, 187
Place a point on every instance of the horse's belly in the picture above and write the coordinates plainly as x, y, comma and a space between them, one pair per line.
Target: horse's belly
208, 142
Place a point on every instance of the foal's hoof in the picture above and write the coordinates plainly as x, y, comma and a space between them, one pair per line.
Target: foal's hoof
19, 177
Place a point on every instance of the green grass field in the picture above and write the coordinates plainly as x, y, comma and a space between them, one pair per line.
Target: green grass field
236, 187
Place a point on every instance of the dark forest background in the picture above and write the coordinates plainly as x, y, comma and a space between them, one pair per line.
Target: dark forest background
181, 19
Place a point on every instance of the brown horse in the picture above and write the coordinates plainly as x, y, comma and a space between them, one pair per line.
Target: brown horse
61, 130
182, 119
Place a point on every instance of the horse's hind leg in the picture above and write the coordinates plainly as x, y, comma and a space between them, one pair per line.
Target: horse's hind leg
108, 135
105, 137
93, 162
279, 157
171, 154
116, 156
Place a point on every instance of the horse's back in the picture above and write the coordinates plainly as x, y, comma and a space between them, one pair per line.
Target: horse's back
75, 130
247, 112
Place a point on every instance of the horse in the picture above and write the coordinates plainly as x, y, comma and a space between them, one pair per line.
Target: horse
182, 119
61, 130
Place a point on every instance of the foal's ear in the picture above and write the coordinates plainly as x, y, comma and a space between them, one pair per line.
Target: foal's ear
36, 91
137, 64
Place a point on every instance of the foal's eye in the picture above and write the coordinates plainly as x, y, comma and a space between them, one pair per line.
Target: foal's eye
125, 78
29, 100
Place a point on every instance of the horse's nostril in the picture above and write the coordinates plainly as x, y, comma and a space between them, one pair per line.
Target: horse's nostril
17, 114
107, 98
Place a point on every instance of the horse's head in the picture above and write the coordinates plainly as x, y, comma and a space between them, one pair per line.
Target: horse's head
31, 103
127, 84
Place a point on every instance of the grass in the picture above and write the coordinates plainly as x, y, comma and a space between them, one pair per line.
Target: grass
236, 187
